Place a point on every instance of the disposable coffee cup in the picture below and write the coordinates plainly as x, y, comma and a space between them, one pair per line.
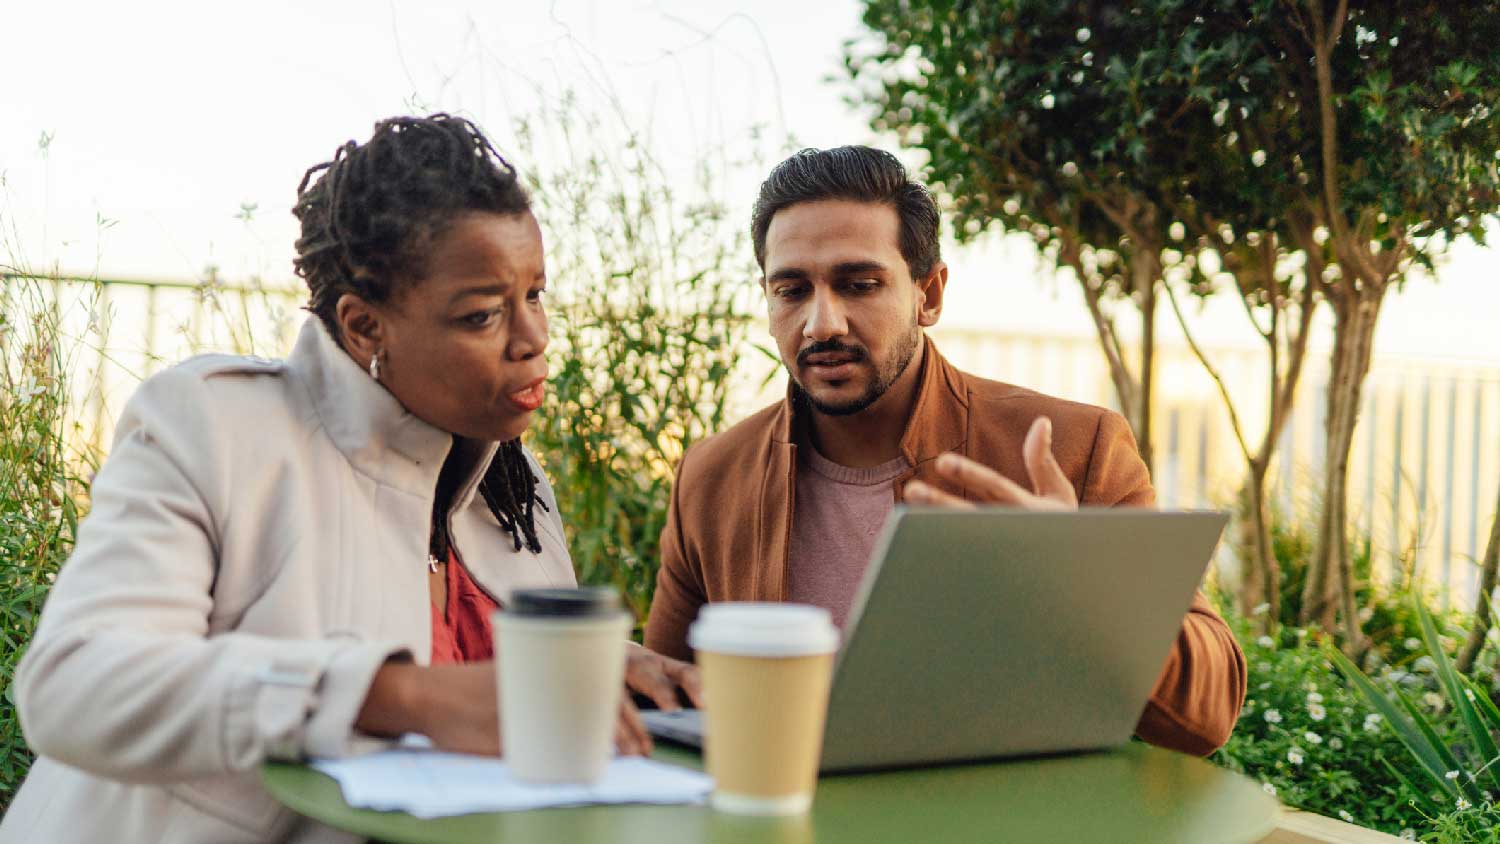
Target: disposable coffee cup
766, 670
561, 672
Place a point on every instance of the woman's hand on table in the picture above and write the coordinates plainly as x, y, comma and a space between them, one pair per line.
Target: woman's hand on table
457, 707
454, 705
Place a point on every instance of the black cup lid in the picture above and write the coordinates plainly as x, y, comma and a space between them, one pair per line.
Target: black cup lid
582, 602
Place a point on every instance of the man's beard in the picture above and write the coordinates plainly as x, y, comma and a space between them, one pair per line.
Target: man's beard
885, 376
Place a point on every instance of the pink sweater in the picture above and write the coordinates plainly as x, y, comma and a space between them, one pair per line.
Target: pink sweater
839, 514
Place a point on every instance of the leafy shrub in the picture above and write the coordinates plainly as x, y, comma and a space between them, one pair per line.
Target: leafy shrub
42, 486
1453, 750
1314, 742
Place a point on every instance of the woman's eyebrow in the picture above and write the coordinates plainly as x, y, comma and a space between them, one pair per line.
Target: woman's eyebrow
483, 290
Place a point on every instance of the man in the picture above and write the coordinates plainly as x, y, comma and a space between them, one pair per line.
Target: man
787, 505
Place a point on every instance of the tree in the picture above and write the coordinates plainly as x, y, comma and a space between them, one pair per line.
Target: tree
1110, 129
1489, 568
1396, 101
993, 93
1361, 138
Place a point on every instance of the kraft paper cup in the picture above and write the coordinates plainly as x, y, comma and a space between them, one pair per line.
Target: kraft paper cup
766, 671
561, 672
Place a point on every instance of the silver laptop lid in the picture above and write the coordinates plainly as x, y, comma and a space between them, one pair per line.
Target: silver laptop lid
1000, 632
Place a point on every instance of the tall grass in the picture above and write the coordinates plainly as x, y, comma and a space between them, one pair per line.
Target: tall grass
43, 482
647, 292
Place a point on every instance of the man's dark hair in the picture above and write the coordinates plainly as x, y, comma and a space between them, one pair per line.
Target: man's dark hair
856, 173
368, 225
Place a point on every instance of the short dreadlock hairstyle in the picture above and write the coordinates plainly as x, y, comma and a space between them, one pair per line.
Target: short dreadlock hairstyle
369, 222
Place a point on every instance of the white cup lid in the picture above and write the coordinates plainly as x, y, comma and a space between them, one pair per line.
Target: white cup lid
764, 629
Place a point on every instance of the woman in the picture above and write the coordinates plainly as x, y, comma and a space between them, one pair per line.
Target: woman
286, 558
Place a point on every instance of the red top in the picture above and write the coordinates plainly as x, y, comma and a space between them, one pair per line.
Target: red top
461, 632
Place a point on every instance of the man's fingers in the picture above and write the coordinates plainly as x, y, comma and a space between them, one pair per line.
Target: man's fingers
1046, 475
686, 675
647, 675
920, 493
989, 485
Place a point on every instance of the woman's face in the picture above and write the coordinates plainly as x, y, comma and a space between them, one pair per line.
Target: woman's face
462, 348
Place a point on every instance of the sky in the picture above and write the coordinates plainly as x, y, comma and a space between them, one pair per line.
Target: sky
155, 139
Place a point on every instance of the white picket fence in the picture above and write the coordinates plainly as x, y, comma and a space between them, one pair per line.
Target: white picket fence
1424, 470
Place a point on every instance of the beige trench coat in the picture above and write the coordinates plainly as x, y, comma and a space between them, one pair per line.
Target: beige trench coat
256, 549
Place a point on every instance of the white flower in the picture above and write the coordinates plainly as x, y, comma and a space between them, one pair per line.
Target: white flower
29, 390
1463, 804
1345, 816
1335, 743
1266, 642
1433, 700
1314, 697
1451, 776
1316, 711
1265, 685
1261, 609
1084, 34
1268, 788
1412, 643
1258, 157
1178, 231
1070, 169
1294, 756
1272, 716
1408, 835
1048, 101
1372, 722
1312, 737
1469, 693
1077, 77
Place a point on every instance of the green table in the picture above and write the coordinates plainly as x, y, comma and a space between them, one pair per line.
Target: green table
1134, 794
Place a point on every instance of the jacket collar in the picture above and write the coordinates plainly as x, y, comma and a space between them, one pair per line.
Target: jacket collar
374, 432
938, 423
938, 420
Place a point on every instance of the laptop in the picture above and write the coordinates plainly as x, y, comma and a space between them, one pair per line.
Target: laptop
980, 634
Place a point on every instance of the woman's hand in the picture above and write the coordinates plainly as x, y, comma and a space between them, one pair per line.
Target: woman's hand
457, 706
659, 677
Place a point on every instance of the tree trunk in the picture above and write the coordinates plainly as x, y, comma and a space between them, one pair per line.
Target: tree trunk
1330, 587
1144, 397
1261, 581
1487, 576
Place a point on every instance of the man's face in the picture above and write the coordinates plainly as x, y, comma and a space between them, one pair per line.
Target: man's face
843, 308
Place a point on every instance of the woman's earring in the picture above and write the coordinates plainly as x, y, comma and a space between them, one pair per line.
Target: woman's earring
375, 365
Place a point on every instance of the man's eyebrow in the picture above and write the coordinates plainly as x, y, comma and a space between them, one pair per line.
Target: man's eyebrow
855, 267
789, 274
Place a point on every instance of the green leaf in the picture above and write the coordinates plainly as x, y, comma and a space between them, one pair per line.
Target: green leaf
1484, 743
1417, 735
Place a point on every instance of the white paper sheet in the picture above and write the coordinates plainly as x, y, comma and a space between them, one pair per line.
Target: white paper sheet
428, 784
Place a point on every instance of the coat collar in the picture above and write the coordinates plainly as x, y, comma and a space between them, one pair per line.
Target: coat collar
938, 420
374, 432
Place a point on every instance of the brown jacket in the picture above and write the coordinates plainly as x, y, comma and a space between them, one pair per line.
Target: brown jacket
729, 525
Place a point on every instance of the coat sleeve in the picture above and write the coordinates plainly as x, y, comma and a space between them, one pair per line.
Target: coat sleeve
123, 678
1197, 697
679, 584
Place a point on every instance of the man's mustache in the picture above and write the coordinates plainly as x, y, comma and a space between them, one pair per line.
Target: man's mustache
855, 353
